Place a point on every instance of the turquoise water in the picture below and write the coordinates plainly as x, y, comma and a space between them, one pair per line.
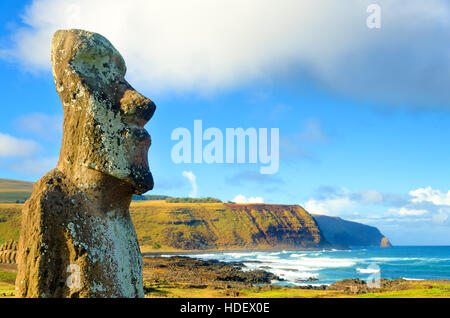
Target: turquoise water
328, 266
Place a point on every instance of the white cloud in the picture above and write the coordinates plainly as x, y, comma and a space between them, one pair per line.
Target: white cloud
193, 181
328, 206
428, 194
340, 201
243, 199
43, 125
34, 166
209, 45
440, 217
15, 147
371, 196
403, 211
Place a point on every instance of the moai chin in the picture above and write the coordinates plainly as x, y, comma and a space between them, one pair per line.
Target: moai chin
77, 238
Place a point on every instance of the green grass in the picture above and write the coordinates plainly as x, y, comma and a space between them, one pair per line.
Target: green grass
10, 219
164, 290
7, 280
286, 292
7, 277
6, 290
414, 291
419, 289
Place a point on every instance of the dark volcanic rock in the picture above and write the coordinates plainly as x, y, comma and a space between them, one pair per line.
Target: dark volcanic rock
310, 279
352, 286
319, 287
358, 286
186, 270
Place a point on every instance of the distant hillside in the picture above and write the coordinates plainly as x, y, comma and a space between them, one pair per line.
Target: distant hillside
344, 233
12, 191
149, 197
193, 200
194, 226
169, 199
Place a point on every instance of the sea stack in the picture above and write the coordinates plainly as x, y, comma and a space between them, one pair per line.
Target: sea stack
385, 242
77, 238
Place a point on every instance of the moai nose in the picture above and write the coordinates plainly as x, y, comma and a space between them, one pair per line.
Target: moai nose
137, 108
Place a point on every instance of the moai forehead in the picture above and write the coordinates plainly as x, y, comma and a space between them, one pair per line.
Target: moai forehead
103, 115
90, 54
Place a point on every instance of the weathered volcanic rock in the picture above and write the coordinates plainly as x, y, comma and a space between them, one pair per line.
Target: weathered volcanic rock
385, 242
351, 286
77, 238
196, 272
8, 252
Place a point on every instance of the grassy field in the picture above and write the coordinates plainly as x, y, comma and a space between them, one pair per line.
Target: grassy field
417, 289
7, 279
10, 218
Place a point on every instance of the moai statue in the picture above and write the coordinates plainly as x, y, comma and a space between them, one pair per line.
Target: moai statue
77, 237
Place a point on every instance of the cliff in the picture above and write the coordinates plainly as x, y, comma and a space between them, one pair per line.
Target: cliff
193, 226
344, 233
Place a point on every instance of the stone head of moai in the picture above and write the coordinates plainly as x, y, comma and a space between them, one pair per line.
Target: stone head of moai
103, 115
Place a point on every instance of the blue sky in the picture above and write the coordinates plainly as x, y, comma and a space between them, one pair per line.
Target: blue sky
363, 113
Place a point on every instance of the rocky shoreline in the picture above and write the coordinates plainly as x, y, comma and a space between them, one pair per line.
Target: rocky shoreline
190, 273
194, 272
184, 271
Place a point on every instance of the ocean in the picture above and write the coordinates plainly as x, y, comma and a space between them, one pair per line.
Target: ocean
327, 266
